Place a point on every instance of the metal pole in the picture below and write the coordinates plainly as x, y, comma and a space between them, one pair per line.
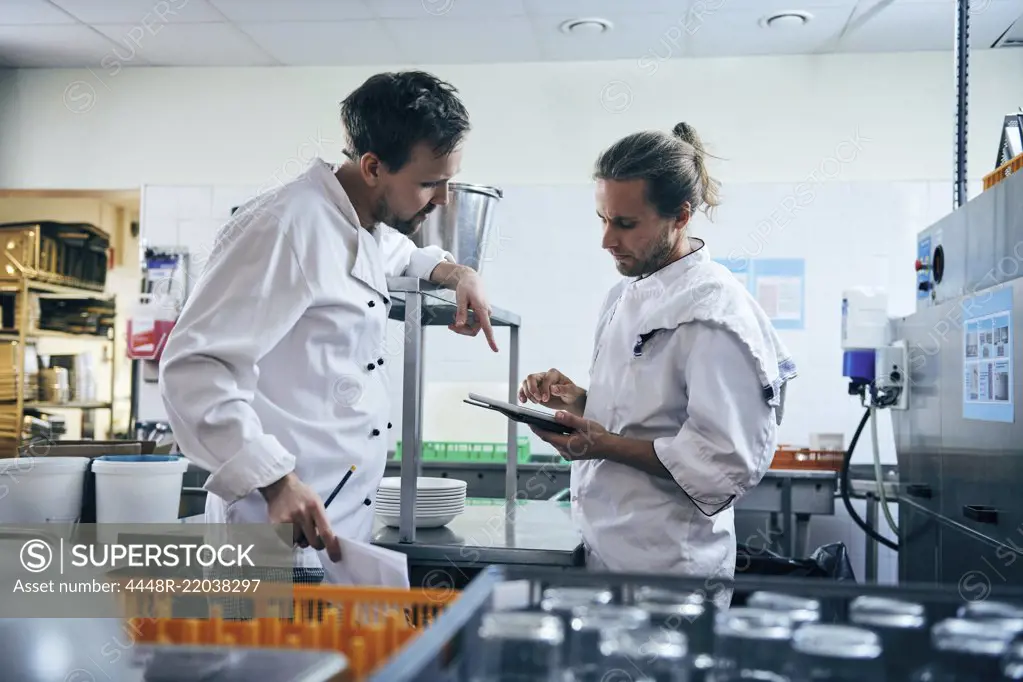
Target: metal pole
871, 559
786, 518
411, 416
962, 64
511, 476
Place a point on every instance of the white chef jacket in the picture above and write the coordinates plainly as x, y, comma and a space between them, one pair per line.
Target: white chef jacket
695, 391
276, 362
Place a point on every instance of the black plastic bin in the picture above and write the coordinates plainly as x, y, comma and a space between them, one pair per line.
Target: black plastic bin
828, 561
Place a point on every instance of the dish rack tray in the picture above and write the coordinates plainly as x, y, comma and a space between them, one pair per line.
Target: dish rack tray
1013, 165
446, 651
366, 624
457, 451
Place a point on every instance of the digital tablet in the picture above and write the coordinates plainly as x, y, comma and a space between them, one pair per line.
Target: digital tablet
523, 415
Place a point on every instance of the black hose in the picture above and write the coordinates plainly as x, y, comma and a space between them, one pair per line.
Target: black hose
845, 488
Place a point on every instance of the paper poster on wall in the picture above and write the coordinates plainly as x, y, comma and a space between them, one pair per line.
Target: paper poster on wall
987, 357
739, 267
779, 287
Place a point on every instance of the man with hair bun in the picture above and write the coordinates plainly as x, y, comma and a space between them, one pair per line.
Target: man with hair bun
687, 381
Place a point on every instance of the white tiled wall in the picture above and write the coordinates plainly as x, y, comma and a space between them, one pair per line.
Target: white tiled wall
183, 216
546, 265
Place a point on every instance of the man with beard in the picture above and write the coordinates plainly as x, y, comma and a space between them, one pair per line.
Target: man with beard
686, 384
273, 377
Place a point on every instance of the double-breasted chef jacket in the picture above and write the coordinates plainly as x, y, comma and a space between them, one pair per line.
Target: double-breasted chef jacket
277, 361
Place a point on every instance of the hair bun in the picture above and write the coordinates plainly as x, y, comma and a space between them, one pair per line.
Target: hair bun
687, 133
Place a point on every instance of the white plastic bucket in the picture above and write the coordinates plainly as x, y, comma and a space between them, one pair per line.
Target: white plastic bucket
42, 489
138, 488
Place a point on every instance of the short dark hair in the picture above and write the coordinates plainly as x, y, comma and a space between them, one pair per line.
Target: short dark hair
392, 112
674, 167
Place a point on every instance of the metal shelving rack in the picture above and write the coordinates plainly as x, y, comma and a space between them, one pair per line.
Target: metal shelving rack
24, 288
420, 304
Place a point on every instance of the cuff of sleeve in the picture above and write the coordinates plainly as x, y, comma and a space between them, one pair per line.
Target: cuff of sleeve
256, 466
423, 261
699, 478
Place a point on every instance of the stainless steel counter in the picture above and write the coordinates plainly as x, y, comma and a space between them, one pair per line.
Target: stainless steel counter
492, 532
790, 497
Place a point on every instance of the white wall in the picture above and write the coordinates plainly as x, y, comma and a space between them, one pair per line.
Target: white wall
545, 264
773, 119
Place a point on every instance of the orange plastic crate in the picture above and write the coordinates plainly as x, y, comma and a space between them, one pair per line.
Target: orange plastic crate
366, 624
1011, 166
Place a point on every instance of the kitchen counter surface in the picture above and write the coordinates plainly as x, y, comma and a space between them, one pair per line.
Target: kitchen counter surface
536, 532
493, 532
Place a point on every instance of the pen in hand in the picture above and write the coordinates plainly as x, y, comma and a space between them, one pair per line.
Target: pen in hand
302, 541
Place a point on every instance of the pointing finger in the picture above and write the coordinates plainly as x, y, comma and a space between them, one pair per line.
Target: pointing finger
488, 330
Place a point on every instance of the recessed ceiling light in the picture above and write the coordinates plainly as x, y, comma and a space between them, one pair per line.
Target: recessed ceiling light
586, 27
787, 19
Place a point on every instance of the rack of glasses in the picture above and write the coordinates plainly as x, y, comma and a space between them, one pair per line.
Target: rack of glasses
522, 623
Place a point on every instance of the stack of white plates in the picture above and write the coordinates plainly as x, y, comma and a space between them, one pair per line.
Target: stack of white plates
438, 501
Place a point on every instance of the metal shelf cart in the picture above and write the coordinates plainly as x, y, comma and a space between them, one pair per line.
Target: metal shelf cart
420, 304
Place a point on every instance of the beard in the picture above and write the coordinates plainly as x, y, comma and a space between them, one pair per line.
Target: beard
655, 257
407, 227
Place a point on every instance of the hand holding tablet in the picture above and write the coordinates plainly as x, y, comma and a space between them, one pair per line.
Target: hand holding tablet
523, 415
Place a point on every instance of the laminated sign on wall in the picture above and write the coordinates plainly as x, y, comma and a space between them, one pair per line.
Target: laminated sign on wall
987, 357
778, 285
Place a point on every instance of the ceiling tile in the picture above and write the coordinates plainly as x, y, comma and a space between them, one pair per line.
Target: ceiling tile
52, 46
765, 7
634, 36
140, 11
426, 41
322, 43
599, 8
933, 27
602, 8
452, 9
255, 11
20, 12
189, 45
738, 33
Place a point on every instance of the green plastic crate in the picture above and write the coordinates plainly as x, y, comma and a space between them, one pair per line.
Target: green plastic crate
444, 451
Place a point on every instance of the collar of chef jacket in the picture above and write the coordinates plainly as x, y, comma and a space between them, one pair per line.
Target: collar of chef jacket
368, 267
697, 289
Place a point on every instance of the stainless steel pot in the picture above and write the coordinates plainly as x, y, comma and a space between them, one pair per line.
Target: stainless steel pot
462, 226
